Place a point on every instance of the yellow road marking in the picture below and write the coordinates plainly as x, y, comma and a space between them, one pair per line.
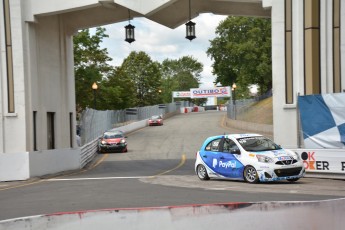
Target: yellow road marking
22, 185
99, 161
183, 161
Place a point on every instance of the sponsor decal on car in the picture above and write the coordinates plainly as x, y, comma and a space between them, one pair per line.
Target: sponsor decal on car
228, 164
222, 164
284, 158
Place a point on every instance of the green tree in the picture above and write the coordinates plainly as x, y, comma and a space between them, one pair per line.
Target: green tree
241, 53
90, 65
146, 77
117, 92
180, 75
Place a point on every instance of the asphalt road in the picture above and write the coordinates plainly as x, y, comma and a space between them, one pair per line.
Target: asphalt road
158, 170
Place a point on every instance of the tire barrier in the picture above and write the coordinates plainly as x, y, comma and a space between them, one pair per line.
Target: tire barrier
313, 215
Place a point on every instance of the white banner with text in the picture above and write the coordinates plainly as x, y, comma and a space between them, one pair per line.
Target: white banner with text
181, 94
210, 92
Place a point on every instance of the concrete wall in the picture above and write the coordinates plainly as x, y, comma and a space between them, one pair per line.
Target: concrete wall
14, 166
285, 115
327, 214
23, 166
53, 161
17, 120
52, 85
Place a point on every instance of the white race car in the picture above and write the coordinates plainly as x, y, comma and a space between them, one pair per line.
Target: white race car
249, 157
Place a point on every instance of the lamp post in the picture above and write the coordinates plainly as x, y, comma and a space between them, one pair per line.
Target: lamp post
234, 98
94, 88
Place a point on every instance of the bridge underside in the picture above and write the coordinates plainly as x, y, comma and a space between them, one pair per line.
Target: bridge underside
170, 13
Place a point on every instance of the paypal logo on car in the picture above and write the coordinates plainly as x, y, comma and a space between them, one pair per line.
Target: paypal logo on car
228, 164
221, 164
215, 162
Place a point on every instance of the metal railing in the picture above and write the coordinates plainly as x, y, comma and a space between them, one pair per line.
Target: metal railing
94, 123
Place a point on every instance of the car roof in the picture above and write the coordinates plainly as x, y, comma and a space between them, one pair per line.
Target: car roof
112, 132
230, 136
235, 136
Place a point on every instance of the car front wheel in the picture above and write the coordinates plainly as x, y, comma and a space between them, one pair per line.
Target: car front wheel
202, 173
250, 174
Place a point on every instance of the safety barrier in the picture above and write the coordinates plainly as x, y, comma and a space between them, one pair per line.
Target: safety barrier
93, 122
88, 152
327, 214
186, 109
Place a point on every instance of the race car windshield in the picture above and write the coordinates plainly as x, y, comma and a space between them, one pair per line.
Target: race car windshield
112, 136
257, 144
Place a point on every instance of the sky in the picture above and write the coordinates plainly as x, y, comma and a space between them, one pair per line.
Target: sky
161, 42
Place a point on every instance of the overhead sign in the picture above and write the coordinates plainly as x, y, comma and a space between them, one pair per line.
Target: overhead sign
181, 94
210, 92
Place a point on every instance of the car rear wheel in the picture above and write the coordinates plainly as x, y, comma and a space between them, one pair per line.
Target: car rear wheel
202, 172
250, 175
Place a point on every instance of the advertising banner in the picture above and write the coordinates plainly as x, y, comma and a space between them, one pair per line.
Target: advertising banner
181, 94
323, 120
210, 92
323, 160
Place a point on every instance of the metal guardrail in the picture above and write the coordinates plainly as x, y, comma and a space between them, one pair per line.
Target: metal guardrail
88, 152
94, 123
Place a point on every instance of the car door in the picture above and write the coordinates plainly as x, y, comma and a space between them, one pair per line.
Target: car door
228, 164
211, 154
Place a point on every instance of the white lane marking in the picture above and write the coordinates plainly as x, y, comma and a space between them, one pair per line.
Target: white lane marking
101, 178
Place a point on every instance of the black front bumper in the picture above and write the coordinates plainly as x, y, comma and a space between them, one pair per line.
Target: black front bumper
112, 148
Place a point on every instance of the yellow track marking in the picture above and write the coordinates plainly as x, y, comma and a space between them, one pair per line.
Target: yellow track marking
183, 161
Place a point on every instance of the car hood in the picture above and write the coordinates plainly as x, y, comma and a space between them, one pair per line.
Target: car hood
112, 141
275, 153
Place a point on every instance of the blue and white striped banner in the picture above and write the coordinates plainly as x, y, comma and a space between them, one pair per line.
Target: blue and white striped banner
323, 120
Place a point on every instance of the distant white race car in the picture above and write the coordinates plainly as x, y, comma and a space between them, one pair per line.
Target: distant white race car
249, 157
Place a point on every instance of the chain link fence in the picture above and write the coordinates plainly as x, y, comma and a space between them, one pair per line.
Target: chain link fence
94, 123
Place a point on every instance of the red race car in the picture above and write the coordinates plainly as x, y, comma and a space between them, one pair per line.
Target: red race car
156, 120
113, 141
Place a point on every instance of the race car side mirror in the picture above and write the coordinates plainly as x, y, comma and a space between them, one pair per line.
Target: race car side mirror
235, 151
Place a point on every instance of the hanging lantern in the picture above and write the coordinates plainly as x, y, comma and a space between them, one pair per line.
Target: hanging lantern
190, 30
190, 27
129, 30
129, 33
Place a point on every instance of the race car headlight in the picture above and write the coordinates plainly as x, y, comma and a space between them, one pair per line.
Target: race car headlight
297, 156
103, 142
123, 141
264, 159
